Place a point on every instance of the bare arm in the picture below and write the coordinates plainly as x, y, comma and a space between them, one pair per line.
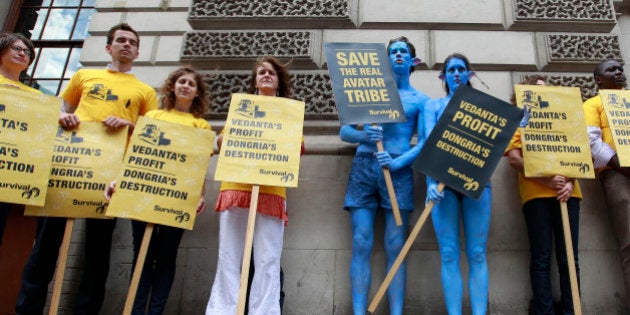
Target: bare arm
67, 118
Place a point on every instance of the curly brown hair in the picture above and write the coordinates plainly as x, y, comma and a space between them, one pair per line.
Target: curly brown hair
284, 78
200, 103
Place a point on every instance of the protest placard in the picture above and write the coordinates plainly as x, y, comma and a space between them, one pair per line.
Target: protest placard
262, 141
553, 132
163, 173
617, 106
363, 83
468, 141
28, 122
84, 161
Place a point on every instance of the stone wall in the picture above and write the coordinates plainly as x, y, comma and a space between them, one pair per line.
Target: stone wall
505, 41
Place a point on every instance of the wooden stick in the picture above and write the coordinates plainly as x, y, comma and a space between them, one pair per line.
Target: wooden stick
61, 267
137, 271
247, 250
568, 245
403, 253
390, 186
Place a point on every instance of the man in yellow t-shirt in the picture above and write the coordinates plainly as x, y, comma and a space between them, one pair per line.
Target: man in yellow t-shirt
16, 54
116, 98
615, 179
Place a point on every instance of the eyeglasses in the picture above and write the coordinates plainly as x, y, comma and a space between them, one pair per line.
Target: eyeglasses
25, 51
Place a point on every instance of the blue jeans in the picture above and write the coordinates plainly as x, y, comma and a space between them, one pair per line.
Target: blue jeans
158, 272
544, 224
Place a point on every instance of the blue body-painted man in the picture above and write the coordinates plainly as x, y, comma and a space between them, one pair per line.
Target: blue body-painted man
451, 205
367, 191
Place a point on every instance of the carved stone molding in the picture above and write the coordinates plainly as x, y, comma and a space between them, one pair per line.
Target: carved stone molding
586, 83
239, 49
576, 52
561, 15
247, 14
312, 88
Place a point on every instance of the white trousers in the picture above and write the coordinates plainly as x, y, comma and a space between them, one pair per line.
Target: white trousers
264, 298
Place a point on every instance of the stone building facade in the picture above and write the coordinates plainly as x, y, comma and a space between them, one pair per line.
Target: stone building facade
504, 39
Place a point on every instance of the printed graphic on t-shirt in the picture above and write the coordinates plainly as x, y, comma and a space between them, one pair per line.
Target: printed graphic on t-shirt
101, 92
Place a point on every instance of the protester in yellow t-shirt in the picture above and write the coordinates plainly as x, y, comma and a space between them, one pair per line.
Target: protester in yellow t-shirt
269, 77
16, 54
116, 98
614, 178
541, 197
183, 101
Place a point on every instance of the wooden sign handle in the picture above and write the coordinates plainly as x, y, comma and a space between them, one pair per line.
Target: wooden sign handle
403, 253
247, 250
137, 271
568, 245
61, 267
390, 186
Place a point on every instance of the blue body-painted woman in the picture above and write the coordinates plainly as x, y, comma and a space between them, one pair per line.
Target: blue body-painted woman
451, 207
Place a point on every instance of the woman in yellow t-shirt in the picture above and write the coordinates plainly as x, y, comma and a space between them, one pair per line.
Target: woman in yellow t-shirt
183, 101
269, 77
16, 54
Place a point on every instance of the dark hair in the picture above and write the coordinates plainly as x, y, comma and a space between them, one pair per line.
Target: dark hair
412, 49
443, 72
284, 78
7, 39
529, 80
121, 27
200, 102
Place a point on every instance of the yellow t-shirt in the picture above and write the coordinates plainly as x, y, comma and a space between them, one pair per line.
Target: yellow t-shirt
100, 93
595, 116
174, 116
529, 188
19, 85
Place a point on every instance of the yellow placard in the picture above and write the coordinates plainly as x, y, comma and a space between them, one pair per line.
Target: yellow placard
27, 128
261, 141
84, 161
553, 132
617, 107
163, 173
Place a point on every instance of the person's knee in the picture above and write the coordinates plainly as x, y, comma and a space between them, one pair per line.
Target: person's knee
476, 255
450, 255
362, 243
394, 243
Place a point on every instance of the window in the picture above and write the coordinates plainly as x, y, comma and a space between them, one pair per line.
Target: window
57, 29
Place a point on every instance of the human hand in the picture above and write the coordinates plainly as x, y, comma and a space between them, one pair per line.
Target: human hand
68, 120
433, 194
374, 134
114, 122
566, 191
558, 182
110, 190
201, 206
386, 161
